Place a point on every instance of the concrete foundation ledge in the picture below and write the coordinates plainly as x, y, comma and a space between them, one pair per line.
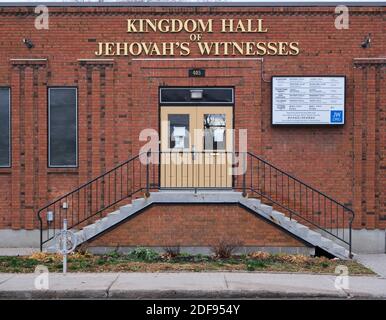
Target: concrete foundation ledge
364, 241
208, 250
19, 238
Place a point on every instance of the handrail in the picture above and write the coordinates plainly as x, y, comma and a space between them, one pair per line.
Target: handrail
54, 204
297, 180
89, 182
293, 206
259, 177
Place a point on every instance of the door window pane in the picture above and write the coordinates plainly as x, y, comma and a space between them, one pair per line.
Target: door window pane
62, 127
178, 131
214, 131
5, 157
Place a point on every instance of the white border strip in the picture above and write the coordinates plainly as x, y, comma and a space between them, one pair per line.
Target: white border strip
85, 60
370, 58
195, 59
28, 59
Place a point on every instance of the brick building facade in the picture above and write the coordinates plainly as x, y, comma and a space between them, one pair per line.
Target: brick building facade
118, 96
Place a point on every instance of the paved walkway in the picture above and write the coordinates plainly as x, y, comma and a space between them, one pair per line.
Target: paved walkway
376, 262
189, 285
17, 251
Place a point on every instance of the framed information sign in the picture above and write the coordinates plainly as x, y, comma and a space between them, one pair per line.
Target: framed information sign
316, 100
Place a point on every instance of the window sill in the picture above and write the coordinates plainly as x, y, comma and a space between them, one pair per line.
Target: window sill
63, 170
5, 170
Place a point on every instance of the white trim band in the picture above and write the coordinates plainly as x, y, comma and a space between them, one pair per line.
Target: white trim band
195, 59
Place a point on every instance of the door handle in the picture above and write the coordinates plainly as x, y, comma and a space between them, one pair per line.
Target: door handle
193, 152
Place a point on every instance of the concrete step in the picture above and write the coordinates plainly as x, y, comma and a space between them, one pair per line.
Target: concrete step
99, 225
338, 250
314, 237
255, 203
138, 202
347, 254
292, 222
89, 231
298, 229
266, 208
326, 243
278, 216
104, 219
126, 209
302, 230
113, 218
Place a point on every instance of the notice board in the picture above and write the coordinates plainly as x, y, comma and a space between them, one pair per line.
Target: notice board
299, 100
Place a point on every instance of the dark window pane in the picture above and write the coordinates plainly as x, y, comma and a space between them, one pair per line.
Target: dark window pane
63, 127
178, 130
4, 128
209, 95
214, 130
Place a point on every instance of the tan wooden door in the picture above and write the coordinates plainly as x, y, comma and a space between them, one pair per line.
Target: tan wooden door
214, 143
196, 147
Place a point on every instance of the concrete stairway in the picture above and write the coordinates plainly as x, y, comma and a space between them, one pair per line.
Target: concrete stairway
231, 197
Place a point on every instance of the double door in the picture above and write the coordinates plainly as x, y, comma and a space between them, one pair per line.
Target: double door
196, 147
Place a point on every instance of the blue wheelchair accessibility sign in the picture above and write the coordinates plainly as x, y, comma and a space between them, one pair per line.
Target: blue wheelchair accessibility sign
336, 116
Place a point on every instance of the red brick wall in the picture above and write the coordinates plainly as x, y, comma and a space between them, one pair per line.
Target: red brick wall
195, 225
346, 162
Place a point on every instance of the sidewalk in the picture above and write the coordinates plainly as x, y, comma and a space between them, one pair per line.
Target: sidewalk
189, 285
376, 262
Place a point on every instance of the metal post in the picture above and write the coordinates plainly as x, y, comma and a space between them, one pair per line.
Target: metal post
147, 194
350, 235
41, 233
64, 246
244, 175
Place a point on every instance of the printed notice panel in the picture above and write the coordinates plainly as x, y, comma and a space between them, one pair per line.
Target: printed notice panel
308, 100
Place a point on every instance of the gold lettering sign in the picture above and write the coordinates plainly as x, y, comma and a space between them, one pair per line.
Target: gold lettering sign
195, 30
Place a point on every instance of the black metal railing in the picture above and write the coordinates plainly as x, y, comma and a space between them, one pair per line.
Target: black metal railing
90, 201
298, 199
241, 171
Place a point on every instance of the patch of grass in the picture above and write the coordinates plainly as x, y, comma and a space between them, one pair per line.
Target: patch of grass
147, 260
233, 261
113, 255
101, 262
144, 254
253, 265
